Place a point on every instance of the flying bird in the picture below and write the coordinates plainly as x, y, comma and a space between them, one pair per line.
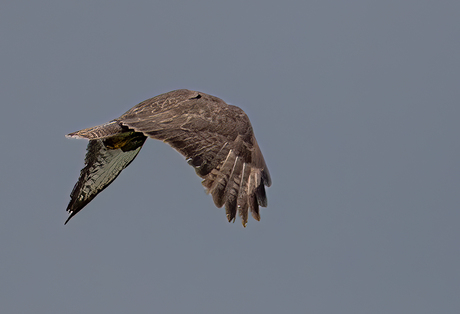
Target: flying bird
216, 139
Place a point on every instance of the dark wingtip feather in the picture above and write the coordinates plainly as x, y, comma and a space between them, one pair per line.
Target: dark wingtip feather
243, 211
261, 196
231, 218
230, 208
266, 179
72, 213
218, 196
254, 206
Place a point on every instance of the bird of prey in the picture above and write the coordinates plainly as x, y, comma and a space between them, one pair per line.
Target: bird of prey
216, 139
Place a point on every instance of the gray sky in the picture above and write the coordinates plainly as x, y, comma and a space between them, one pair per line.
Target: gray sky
355, 105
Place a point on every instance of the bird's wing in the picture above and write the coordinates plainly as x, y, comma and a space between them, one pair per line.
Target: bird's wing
237, 181
105, 159
218, 141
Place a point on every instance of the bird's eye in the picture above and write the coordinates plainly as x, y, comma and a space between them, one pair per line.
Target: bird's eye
196, 97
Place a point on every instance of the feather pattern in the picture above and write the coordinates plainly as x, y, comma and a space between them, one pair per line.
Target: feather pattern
216, 139
104, 161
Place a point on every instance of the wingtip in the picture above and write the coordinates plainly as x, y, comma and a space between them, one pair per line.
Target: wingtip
256, 216
266, 178
71, 214
233, 219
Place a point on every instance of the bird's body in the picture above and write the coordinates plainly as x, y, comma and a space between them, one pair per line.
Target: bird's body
217, 139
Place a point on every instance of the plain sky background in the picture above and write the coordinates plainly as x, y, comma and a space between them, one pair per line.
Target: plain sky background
355, 105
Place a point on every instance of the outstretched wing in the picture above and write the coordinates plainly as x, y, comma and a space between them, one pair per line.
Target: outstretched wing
218, 141
105, 159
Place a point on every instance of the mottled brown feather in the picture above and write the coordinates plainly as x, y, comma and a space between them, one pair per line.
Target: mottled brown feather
216, 139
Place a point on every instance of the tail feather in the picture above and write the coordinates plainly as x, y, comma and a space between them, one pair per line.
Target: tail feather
100, 131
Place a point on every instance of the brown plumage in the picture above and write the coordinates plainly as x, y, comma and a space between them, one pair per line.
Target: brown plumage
217, 139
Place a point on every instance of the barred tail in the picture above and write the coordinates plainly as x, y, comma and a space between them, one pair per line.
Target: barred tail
100, 131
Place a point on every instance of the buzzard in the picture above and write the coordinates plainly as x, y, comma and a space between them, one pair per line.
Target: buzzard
216, 139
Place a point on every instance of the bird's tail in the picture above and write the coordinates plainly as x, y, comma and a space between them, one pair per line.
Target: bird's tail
100, 131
